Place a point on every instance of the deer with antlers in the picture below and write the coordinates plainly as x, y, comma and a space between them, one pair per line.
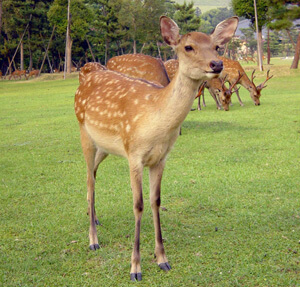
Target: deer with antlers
110, 123
232, 69
220, 93
140, 66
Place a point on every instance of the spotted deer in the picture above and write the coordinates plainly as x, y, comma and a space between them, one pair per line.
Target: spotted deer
33, 73
110, 123
232, 69
18, 73
140, 66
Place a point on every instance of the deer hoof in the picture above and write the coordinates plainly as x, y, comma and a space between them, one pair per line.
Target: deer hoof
94, 246
164, 266
136, 276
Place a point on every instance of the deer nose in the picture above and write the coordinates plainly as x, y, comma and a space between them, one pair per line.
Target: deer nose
216, 66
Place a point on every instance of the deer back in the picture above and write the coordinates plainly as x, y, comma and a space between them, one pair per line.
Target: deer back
140, 66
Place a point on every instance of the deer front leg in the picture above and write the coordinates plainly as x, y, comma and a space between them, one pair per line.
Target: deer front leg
238, 96
199, 102
155, 175
215, 98
136, 175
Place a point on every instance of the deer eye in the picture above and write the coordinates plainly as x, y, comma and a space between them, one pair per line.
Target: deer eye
188, 48
217, 48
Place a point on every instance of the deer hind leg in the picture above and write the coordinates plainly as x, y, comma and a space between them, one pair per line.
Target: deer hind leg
136, 175
90, 151
155, 175
99, 157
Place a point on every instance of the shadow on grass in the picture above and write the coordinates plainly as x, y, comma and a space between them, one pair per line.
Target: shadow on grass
217, 126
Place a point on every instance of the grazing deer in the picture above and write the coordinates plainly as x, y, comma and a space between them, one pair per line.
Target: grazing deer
33, 73
110, 123
18, 73
140, 66
232, 69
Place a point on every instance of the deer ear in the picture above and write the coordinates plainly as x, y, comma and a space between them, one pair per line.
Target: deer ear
225, 30
169, 31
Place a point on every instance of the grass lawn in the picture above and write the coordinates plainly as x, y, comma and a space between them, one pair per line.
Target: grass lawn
230, 194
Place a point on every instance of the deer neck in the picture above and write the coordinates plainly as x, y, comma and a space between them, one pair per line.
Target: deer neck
178, 100
246, 83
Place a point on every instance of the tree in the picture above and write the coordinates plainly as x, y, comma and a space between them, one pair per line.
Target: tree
211, 18
81, 16
245, 8
283, 14
185, 17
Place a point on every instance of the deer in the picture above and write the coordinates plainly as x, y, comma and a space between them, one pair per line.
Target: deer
232, 68
18, 73
220, 93
33, 73
140, 66
140, 121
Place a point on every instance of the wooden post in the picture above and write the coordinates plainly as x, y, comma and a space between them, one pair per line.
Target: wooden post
90, 48
67, 41
46, 53
258, 40
18, 46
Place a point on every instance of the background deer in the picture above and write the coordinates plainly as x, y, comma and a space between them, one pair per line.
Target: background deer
33, 73
232, 69
18, 73
140, 66
110, 123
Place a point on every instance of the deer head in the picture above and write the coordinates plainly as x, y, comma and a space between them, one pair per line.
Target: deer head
225, 94
255, 91
194, 62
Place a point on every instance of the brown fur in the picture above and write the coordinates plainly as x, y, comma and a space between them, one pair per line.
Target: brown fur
140, 66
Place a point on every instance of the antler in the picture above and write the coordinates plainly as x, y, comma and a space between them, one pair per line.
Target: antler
230, 90
201, 88
262, 85
253, 77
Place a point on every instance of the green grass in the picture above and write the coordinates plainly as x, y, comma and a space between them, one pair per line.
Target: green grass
236, 172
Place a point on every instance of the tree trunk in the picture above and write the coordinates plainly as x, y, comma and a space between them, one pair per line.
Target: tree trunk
30, 53
291, 38
21, 56
69, 55
0, 17
134, 46
268, 49
297, 54
260, 51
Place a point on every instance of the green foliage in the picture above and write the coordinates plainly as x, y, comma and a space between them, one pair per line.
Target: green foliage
237, 171
210, 19
80, 17
186, 18
283, 14
245, 8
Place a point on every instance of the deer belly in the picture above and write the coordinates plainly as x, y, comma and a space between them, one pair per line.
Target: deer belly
107, 141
